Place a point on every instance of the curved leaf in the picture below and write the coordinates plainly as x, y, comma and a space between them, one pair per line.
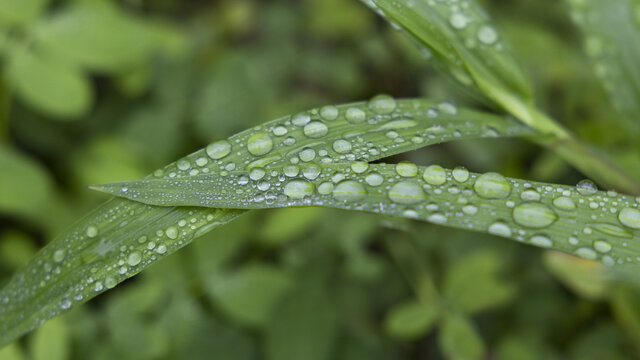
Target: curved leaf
120, 238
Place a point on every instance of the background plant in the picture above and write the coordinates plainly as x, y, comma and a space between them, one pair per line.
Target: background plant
350, 266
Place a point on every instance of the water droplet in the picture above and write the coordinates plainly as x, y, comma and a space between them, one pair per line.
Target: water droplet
183, 165
172, 232
564, 203
355, 115
586, 253
325, 188
612, 230
259, 144
311, 172
307, 154
407, 169
218, 149
92, 231
359, 167
542, 241
437, 218
58, 255
448, 108
586, 187
492, 186
407, 193
530, 195
65, 304
298, 189
630, 217
382, 104
110, 282
341, 146
201, 161
602, 246
349, 190
291, 170
257, 174
280, 131
134, 258
374, 179
161, 249
458, 21
329, 112
301, 119
315, 129
460, 174
487, 35
434, 175
534, 215
470, 210
499, 228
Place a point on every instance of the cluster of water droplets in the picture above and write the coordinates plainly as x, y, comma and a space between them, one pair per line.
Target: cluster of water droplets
581, 220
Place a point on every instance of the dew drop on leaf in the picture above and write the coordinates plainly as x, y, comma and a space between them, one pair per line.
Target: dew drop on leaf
534, 215
218, 149
349, 190
492, 186
407, 193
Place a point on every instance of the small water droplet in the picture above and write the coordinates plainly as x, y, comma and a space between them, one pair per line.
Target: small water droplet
374, 179
307, 154
382, 104
315, 129
487, 35
458, 21
257, 174
134, 258
534, 215
359, 167
218, 149
530, 195
298, 189
586, 187
301, 119
434, 175
171, 232
280, 131
342, 146
564, 203
470, 210
492, 186
499, 228
602, 246
349, 190
58, 255
407, 193
407, 169
329, 112
586, 253
460, 174
542, 241
630, 217
325, 188
92, 231
259, 144
355, 115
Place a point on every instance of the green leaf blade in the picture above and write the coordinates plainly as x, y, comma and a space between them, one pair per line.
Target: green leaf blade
120, 238
595, 225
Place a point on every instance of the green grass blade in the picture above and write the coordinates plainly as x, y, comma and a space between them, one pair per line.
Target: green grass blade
612, 41
121, 238
578, 220
462, 42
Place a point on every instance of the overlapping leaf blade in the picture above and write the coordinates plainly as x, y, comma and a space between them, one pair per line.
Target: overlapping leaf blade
612, 30
576, 220
120, 238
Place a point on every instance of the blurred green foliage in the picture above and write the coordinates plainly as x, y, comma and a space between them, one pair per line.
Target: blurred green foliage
99, 91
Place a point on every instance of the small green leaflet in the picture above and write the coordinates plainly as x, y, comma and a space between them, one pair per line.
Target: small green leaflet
122, 237
578, 220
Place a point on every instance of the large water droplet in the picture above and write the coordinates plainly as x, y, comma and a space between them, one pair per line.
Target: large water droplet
349, 190
172, 232
259, 144
315, 129
374, 179
542, 241
58, 255
382, 104
530, 195
218, 149
492, 186
329, 112
407, 169
355, 115
307, 154
602, 246
92, 231
301, 119
359, 167
534, 215
460, 174
564, 203
586, 187
407, 192
612, 230
298, 189
630, 217
341, 146
434, 175
458, 21
499, 228
487, 35
134, 258
586, 253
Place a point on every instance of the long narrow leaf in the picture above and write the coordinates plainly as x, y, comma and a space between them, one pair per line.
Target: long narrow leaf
612, 42
121, 238
579, 220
